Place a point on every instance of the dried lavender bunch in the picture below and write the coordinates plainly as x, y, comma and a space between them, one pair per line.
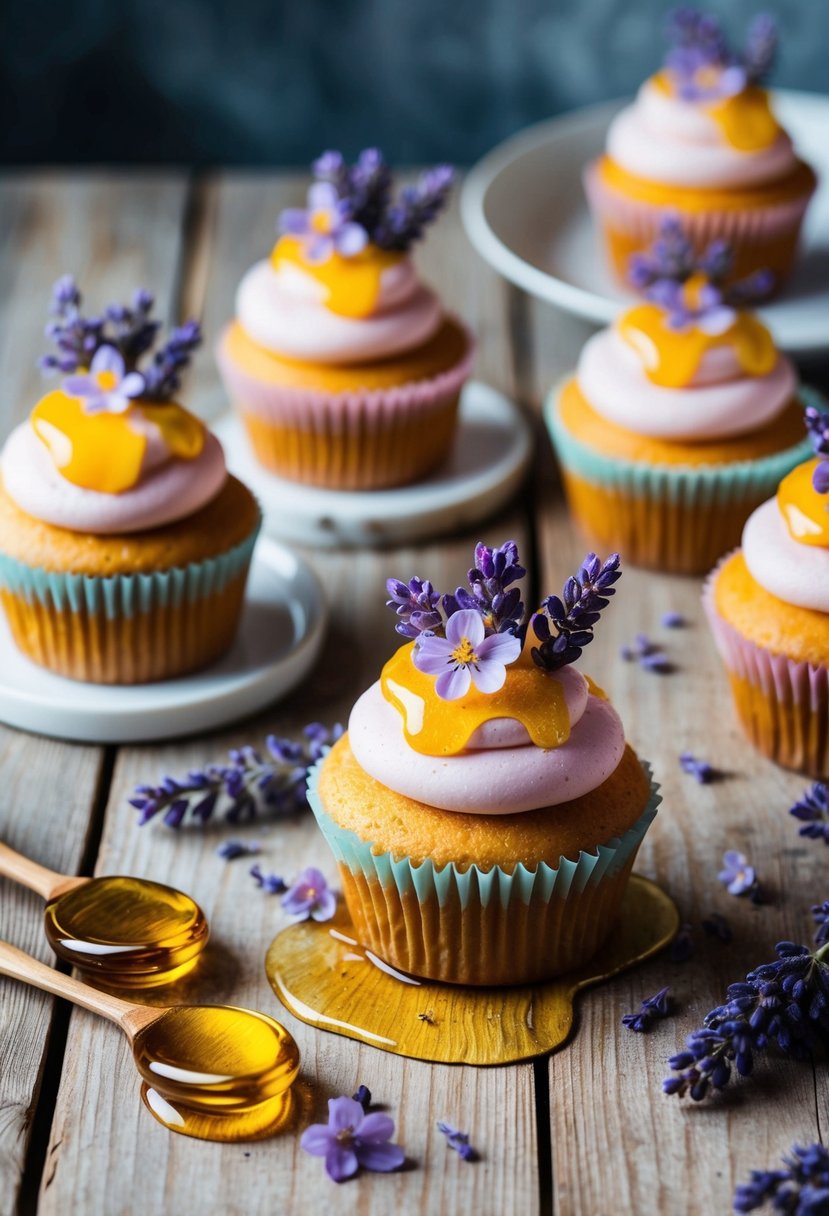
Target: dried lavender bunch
801, 1188
248, 783
783, 1004
564, 625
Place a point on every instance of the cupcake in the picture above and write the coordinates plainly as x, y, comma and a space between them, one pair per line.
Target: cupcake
701, 141
343, 366
124, 544
483, 807
682, 416
768, 606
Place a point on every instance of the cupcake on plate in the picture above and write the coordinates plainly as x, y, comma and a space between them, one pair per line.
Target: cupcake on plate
484, 807
682, 416
768, 606
701, 140
342, 364
124, 543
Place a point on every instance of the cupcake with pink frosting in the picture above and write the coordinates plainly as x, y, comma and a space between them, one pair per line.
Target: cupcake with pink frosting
768, 606
682, 416
124, 543
341, 362
702, 141
484, 807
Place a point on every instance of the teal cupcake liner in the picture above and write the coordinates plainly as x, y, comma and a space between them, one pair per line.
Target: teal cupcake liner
124, 596
472, 885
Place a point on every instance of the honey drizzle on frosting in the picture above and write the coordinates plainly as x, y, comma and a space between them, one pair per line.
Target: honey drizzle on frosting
103, 451
352, 284
805, 511
671, 357
434, 727
745, 119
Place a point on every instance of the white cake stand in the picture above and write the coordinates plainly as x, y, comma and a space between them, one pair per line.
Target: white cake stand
278, 640
490, 455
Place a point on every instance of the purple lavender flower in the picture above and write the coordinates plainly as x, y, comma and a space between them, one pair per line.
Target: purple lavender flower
417, 605
325, 226
163, 376
700, 770
705, 67
737, 876
246, 784
647, 654
682, 947
229, 850
492, 590
405, 221
652, 1009
309, 897
466, 655
351, 1139
108, 387
817, 428
363, 1096
820, 915
457, 1140
271, 884
574, 614
801, 1188
716, 925
673, 620
813, 811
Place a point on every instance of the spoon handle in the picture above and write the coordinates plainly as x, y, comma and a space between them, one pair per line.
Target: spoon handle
28, 873
19, 966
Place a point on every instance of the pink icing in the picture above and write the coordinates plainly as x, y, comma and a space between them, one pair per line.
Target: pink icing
797, 574
283, 311
166, 492
507, 732
721, 400
501, 780
665, 139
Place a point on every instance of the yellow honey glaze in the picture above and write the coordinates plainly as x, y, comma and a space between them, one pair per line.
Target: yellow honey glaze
671, 357
745, 119
103, 451
352, 284
435, 727
805, 511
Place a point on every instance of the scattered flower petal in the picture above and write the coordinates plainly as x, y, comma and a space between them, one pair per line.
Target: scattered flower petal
229, 850
309, 897
352, 1139
737, 876
653, 1009
700, 770
271, 884
458, 1140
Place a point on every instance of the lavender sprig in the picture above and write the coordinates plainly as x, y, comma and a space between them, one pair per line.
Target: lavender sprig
246, 784
704, 65
492, 594
163, 376
817, 428
813, 812
652, 1009
564, 625
417, 606
801, 1188
783, 1004
457, 1140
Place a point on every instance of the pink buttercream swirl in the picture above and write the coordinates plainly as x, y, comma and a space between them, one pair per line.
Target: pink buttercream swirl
797, 574
721, 400
283, 311
667, 139
168, 489
501, 772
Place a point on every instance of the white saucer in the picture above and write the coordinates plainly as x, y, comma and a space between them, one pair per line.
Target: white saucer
524, 210
491, 452
279, 638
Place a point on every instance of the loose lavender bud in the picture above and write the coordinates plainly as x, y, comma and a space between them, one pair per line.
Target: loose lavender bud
271, 884
652, 1009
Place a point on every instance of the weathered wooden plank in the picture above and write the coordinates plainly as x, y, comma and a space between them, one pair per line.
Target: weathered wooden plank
617, 1143
94, 226
105, 1149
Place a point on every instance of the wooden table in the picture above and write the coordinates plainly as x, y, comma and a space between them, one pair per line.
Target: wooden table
585, 1131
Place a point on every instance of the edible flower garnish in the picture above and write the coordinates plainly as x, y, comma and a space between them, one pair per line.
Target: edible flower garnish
351, 1138
702, 64
817, 427
564, 624
106, 351
691, 288
310, 897
325, 226
737, 875
801, 1187
466, 655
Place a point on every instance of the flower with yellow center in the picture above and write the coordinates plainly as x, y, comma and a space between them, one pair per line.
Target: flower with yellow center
466, 655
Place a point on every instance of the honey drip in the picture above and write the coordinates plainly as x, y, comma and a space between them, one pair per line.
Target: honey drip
745, 119
805, 511
352, 284
435, 727
127, 932
671, 358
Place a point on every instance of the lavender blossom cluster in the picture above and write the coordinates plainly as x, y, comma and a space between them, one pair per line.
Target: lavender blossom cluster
704, 64
817, 428
129, 329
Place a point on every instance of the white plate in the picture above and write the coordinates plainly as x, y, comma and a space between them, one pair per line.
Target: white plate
491, 452
278, 640
524, 210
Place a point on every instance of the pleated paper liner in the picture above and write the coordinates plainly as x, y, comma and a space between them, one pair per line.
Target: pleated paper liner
326, 979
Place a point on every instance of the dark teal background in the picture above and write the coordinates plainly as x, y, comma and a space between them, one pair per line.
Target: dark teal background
272, 83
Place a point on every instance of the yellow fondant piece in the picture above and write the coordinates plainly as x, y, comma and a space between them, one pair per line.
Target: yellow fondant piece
103, 451
435, 727
745, 119
671, 357
352, 284
805, 511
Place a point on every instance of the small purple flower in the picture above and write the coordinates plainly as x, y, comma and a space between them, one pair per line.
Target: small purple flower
716, 925
271, 884
465, 656
682, 947
309, 897
229, 850
738, 877
700, 770
457, 1140
673, 620
326, 226
107, 388
652, 1009
351, 1139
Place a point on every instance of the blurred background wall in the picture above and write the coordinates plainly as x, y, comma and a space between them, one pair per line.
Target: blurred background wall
275, 81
